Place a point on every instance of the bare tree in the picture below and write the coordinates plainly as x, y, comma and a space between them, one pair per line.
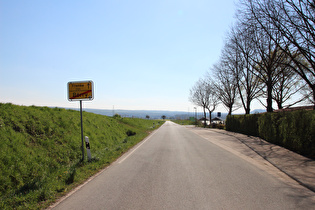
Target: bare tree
298, 27
306, 91
224, 85
295, 20
201, 94
288, 85
268, 53
213, 99
237, 54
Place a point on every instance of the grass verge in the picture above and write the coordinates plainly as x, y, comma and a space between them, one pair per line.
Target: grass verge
184, 122
40, 158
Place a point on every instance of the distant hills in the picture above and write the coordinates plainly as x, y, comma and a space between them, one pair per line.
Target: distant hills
157, 114
255, 111
153, 114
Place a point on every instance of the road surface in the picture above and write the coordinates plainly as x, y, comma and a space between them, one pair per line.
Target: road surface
174, 168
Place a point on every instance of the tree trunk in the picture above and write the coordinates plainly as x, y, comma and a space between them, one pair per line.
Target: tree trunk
205, 117
279, 105
269, 97
230, 111
210, 117
247, 110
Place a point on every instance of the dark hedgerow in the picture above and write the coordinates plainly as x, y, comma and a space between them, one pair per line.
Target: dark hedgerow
246, 124
294, 130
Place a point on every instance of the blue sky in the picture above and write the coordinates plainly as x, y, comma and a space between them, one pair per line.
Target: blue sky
143, 55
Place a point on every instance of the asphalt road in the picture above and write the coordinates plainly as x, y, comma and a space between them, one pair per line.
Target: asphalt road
175, 168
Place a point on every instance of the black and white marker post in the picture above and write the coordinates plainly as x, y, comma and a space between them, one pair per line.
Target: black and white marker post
87, 144
81, 91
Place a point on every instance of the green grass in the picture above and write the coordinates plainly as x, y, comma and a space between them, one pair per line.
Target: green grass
40, 155
184, 122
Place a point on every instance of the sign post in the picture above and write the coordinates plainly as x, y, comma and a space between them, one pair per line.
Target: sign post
81, 130
81, 91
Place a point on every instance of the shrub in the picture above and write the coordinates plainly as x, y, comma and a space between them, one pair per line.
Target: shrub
117, 116
215, 125
246, 124
269, 127
293, 130
297, 131
232, 123
130, 133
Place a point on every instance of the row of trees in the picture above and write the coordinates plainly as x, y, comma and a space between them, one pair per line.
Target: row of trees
269, 53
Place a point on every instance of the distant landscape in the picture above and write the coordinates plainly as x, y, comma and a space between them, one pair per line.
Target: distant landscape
157, 114
153, 114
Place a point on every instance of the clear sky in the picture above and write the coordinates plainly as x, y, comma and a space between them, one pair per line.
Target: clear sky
140, 54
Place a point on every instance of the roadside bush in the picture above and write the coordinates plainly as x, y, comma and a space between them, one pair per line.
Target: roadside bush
218, 126
117, 116
297, 131
221, 126
246, 124
130, 133
232, 123
292, 130
269, 127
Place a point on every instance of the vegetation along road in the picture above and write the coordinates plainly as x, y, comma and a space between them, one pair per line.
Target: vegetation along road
175, 168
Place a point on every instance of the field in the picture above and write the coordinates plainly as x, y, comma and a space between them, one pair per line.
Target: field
184, 122
40, 155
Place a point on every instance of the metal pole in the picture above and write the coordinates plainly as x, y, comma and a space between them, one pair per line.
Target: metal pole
82, 131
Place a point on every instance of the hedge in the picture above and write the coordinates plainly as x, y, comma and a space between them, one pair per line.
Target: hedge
293, 130
245, 124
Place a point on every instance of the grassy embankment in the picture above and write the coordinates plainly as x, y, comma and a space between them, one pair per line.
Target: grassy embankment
41, 151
